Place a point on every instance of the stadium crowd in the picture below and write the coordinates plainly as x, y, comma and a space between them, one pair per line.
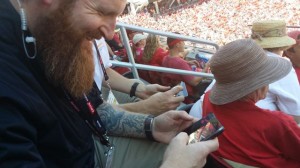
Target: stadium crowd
220, 21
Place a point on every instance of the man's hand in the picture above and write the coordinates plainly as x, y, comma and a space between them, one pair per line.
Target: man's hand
169, 124
194, 62
179, 154
145, 91
163, 101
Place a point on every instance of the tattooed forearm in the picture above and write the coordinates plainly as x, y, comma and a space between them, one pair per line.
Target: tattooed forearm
121, 123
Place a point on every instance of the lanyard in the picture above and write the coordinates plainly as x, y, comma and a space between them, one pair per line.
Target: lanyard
91, 117
100, 61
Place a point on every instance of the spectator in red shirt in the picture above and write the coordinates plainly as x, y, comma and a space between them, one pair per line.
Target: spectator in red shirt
154, 54
253, 136
174, 60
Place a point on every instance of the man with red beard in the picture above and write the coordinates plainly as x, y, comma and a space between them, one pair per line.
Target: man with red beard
48, 99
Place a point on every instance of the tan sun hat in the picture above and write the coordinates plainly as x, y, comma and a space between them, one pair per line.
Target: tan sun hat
271, 34
241, 67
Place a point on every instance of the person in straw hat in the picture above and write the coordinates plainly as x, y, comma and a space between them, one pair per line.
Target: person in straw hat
252, 136
293, 53
283, 94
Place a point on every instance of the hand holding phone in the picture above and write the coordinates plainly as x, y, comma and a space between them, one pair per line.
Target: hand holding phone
184, 90
204, 129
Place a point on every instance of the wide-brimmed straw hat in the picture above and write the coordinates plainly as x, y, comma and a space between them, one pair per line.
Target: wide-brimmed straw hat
271, 34
241, 67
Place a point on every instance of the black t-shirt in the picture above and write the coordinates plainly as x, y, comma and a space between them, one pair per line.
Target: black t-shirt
38, 127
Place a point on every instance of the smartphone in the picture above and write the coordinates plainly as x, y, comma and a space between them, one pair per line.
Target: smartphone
205, 129
184, 90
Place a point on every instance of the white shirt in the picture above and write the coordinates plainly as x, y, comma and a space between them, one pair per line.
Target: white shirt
196, 110
284, 94
98, 76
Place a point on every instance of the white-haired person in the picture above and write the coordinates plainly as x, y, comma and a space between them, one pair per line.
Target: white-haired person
253, 136
283, 94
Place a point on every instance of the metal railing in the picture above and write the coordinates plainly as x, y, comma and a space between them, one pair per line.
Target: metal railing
131, 64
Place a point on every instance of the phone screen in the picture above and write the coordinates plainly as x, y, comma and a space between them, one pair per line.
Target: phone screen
210, 128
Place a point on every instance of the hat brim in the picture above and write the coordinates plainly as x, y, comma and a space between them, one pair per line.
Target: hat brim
275, 42
274, 69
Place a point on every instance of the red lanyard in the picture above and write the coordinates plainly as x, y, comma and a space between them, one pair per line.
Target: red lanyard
100, 60
91, 118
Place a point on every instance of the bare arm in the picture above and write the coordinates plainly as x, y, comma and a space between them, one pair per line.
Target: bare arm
195, 81
164, 127
157, 103
122, 84
121, 123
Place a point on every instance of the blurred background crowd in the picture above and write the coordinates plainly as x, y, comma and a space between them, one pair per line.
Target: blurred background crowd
220, 21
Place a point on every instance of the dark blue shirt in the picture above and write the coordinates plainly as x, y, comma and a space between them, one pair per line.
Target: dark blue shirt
38, 127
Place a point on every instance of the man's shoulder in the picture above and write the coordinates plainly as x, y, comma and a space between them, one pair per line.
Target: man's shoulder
174, 60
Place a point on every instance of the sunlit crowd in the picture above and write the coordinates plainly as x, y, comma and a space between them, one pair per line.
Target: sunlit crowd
220, 21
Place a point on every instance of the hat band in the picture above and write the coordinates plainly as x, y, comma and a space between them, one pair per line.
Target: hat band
277, 32
174, 42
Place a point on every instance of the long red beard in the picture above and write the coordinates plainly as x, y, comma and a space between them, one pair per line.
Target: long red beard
66, 54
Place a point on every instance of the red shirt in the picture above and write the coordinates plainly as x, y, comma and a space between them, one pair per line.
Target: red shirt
169, 79
158, 57
254, 136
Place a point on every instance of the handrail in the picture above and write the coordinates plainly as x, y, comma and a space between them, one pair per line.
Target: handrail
162, 69
134, 66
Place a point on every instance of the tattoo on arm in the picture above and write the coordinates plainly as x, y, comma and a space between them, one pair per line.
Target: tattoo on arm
122, 123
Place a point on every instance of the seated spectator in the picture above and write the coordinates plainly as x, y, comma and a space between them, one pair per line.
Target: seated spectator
154, 54
153, 51
283, 94
174, 60
115, 43
253, 136
139, 42
294, 52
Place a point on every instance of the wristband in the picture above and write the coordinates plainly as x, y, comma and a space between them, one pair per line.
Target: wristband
148, 127
133, 89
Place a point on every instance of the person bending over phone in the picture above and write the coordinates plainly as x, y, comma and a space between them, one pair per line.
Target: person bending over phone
48, 97
253, 136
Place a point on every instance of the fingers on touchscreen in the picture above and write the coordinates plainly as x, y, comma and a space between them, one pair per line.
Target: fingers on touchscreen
184, 90
210, 129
